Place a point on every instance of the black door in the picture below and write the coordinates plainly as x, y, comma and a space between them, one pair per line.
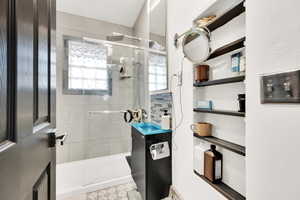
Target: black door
27, 99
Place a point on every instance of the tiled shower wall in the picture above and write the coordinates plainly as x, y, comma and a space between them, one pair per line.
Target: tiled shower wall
159, 103
91, 136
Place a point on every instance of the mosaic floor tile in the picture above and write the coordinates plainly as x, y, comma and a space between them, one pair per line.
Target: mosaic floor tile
118, 192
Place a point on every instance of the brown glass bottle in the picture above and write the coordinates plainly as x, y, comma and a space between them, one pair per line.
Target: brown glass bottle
213, 165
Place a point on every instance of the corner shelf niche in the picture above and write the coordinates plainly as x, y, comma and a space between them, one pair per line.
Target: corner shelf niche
224, 189
241, 150
220, 81
221, 112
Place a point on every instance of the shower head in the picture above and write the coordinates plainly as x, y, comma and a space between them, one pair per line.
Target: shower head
119, 37
115, 37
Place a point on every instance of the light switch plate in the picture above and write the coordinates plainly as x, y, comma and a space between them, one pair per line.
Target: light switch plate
281, 87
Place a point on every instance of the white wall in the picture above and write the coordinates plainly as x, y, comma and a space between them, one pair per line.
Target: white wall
272, 130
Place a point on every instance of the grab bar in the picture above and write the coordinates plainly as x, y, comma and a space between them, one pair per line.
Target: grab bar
106, 112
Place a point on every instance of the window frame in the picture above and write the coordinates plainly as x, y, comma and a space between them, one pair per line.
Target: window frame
167, 72
66, 66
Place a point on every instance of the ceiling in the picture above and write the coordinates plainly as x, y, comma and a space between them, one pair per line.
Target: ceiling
122, 12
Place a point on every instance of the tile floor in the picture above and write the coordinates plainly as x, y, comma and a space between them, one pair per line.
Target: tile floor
118, 192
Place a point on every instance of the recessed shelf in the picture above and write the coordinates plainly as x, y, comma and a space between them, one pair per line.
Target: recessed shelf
224, 189
225, 11
221, 112
227, 16
241, 150
237, 44
220, 81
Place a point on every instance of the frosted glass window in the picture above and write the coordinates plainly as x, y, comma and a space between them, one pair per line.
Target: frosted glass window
158, 73
87, 67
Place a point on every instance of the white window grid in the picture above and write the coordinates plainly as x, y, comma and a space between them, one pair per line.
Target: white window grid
87, 66
158, 72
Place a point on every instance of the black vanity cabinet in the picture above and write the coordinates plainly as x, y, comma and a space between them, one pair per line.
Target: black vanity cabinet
152, 177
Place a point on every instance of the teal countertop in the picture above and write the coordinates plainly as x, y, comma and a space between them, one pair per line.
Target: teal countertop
148, 128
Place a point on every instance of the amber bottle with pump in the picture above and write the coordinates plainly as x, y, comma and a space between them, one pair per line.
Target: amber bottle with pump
213, 165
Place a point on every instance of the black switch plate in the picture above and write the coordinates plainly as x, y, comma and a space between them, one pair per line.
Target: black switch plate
281, 88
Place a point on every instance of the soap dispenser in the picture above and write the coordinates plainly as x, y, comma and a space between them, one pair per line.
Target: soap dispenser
213, 164
166, 121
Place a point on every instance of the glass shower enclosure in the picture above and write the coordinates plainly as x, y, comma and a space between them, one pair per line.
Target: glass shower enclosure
101, 80
99, 77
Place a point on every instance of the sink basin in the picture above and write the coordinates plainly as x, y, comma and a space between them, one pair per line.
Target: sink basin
148, 128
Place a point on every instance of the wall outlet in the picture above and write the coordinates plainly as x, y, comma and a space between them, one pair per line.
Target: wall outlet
281, 88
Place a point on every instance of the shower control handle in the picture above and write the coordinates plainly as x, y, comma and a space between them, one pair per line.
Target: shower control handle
145, 114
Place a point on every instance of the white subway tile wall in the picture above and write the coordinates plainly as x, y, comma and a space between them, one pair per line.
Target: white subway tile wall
159, 103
